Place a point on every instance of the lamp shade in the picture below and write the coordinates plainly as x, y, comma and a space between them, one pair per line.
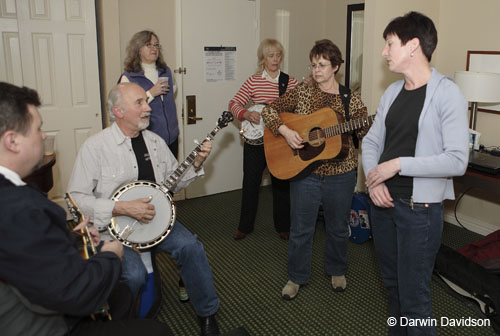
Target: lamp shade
481, 87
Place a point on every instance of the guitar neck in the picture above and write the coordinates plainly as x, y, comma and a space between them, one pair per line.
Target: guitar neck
172, 181
348, 126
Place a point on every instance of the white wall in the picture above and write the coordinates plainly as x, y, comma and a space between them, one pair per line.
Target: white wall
309, 21
307, 24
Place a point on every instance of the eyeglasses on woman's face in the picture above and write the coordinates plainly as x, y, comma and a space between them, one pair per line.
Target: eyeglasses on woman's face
153, 45
320, 66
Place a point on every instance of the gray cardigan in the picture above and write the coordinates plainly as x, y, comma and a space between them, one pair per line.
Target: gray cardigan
442, 148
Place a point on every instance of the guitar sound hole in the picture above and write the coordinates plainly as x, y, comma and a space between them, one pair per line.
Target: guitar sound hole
314, 146
316, 137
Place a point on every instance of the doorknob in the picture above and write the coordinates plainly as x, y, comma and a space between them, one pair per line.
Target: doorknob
191, 110
180, 70
193, 120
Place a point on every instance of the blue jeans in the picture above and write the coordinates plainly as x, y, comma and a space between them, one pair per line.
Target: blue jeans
406, 242
188, 253
306, 195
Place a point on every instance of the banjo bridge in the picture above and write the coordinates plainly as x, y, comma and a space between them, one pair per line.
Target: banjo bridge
126, 232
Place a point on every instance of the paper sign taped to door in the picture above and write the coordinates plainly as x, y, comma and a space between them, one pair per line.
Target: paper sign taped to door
220, 64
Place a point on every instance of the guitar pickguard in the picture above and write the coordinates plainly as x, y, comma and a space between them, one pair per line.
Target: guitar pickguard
314, 145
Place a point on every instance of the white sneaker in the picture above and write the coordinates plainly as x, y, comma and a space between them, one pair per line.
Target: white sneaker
339, 283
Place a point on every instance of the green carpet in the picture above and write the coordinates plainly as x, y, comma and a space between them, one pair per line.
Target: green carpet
249, 275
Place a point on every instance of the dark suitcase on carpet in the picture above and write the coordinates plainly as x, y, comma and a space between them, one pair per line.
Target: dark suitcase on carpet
472, 281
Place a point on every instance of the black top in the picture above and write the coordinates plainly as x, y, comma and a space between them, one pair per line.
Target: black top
401, 125
39, 258
144, 165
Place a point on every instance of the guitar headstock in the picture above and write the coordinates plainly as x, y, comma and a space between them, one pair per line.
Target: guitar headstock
225, 119
74, 210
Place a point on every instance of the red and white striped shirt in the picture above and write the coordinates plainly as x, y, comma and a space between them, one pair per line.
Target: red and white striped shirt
258, 89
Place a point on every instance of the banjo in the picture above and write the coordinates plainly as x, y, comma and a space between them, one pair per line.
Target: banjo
133, 233
251, 133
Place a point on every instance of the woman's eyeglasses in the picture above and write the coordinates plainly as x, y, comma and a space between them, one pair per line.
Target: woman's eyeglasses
151, 45
320, 66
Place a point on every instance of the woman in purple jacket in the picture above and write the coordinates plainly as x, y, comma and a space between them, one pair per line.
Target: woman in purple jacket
145, 66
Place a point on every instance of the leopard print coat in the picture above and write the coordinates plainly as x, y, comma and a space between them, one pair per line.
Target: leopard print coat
308, 98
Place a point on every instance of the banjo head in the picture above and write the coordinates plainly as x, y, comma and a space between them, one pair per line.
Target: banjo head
131, 232
253, 134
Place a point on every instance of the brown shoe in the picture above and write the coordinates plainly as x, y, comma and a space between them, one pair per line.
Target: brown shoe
239, 235
339, 283
284, 235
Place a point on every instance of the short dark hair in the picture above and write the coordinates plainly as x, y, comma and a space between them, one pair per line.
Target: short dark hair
412, 25
14, 113
328, 50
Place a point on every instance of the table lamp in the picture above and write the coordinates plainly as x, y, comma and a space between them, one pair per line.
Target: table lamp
478, 87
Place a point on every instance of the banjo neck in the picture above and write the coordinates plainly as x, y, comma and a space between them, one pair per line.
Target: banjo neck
172, 181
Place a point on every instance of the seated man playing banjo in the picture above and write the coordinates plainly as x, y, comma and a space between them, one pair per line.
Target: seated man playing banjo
126, 152
46, 287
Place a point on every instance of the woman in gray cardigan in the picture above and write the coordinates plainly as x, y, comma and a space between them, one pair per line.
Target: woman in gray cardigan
419, 140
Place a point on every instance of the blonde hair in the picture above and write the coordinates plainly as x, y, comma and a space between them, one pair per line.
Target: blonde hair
264, 50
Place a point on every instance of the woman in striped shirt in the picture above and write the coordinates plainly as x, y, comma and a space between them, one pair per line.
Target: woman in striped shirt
262, 88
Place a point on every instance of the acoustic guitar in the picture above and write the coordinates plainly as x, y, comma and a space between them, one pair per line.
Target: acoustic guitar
325, 137
87, 250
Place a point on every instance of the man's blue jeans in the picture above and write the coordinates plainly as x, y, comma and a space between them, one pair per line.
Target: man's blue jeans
189, 254
306, 195
406, 242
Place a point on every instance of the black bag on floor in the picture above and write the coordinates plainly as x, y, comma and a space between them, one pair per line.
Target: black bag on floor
360, 229
471, 280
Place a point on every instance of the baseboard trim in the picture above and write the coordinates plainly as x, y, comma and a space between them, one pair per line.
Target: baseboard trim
470, 223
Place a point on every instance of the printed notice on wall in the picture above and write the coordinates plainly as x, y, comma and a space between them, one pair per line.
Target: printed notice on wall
220, 64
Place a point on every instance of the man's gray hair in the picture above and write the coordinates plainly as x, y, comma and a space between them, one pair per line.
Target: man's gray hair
114, 99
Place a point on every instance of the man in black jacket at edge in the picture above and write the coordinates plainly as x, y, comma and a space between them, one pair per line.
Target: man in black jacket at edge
46, 287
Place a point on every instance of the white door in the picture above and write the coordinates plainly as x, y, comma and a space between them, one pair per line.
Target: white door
51, 46
215, 23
